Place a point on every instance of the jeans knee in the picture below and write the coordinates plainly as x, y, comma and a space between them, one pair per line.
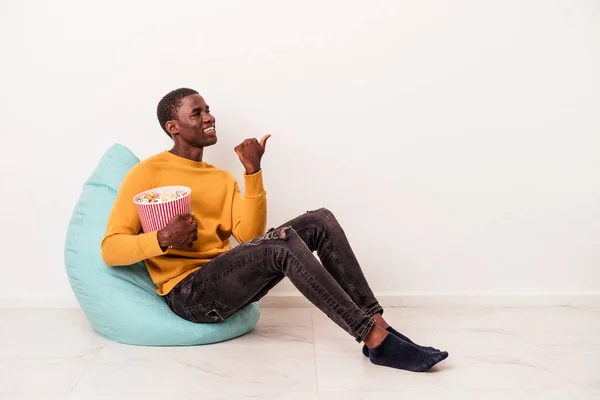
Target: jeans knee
291, 242
281, 233
322, 214
326, 213
322, 218
288, 244
284, 232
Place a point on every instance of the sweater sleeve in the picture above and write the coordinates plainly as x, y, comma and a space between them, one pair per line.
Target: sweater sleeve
249, 215
123, 244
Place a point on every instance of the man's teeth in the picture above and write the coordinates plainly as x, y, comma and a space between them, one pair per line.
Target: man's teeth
212, 128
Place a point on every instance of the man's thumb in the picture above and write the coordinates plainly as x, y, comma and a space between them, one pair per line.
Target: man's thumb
263, 141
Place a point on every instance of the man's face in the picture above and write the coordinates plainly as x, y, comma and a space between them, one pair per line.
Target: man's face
194, 124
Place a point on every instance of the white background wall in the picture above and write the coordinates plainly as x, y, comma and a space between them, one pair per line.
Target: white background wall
457, 141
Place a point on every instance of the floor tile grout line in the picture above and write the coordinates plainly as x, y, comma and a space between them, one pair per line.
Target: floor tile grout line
91, 362
547, 368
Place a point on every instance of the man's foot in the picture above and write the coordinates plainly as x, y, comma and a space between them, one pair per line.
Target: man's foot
365, 349
396, 353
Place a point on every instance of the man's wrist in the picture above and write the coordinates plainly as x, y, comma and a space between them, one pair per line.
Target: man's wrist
162, 240
252, 170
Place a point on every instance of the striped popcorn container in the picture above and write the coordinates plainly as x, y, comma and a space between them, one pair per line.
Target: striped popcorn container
156, 207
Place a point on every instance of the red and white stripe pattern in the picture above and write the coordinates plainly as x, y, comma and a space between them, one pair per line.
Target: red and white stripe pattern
155, 216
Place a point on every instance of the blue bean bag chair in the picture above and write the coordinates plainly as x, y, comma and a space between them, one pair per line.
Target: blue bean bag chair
121, 302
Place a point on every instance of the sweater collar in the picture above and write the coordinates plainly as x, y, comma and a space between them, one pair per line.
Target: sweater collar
184, 161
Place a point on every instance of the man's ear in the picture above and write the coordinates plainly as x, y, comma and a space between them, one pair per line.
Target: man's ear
172, 128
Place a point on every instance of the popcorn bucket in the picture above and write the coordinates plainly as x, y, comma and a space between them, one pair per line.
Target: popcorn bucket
156, 207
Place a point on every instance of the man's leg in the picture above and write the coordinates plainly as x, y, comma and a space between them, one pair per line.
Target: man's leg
247, 272
322, 233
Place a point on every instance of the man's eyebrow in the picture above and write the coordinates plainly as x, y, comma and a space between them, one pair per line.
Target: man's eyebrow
199, 109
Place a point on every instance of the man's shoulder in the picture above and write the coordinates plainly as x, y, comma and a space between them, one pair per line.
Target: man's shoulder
157, 159
227, 176
220, 174
148, 166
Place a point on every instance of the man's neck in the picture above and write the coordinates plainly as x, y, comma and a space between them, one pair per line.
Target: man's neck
191, 153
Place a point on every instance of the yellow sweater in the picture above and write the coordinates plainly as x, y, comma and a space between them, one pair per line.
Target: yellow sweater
218, 209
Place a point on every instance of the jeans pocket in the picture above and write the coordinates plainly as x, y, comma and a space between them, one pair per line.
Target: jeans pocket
209, 311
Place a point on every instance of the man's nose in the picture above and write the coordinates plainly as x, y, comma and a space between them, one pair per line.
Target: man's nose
207, 117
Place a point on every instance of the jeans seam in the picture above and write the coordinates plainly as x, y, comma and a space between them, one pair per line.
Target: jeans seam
339, 266
365, 330
321, 210
306, 274
373, 310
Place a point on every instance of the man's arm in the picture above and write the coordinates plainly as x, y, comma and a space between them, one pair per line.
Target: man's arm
123, 244
249, 215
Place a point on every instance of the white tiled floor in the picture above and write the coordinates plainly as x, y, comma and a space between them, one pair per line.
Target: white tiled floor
495, 353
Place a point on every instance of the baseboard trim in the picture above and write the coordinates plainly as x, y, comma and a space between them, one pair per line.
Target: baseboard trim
38, 302
582, 299
295, 299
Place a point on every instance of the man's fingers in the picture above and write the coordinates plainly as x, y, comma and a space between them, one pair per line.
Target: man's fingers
263, 141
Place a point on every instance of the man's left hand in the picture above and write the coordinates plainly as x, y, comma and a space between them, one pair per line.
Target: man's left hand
250, 152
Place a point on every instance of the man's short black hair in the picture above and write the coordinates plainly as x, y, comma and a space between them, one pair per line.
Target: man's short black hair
169, 104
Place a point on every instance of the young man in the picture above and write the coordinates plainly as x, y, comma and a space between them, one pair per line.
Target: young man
203, 280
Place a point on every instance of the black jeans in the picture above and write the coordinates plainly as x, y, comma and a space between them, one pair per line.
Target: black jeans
247, 272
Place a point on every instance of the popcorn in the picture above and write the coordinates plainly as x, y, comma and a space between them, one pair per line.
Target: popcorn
156, 207
159, 197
